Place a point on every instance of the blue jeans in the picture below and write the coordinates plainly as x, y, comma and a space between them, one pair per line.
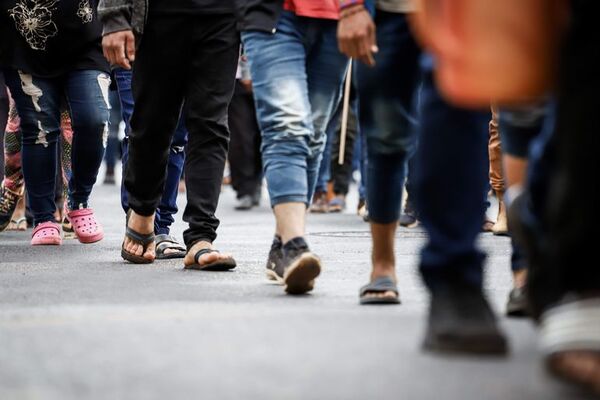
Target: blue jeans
112, 147
451, 177
168, 203
38, 102
386, 116
297, 76
324, 174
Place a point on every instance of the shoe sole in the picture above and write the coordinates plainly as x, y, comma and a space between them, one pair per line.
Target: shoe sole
272, 276
89, 239
47, 243
493, 345
299, 278
411, 225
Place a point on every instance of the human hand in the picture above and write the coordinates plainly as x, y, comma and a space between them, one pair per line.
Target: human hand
356, 34
119, 48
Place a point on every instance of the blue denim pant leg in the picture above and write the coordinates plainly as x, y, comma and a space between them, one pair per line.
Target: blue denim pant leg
450, 179
326, 68
168, 204
38, 104
324, 175
87, 95
297, 74
387, 115
112, 147
167, 207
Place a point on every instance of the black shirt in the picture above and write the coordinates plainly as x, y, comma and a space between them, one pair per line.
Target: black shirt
192, 6
47, 38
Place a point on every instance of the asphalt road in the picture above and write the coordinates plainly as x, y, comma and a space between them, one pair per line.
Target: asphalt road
76, 322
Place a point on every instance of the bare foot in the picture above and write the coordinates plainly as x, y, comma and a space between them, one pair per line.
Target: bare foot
204, 259
580, 367
144, 226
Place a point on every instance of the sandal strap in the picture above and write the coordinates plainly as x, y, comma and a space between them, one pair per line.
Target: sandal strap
380, 285
200, 253
143, 239
164, 242
45, 225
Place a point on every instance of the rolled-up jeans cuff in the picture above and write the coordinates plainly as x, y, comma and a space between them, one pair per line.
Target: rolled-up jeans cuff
292, 198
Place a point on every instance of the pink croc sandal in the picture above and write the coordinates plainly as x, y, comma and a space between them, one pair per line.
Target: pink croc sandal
87, 229
46, 233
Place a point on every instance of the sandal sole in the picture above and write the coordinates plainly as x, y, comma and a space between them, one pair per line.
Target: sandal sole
217, 266
132, 258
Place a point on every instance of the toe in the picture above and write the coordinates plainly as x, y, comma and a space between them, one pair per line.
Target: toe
150, 253
209, 258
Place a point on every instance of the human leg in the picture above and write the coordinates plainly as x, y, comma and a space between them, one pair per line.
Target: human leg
386, 94
216, 44
453, 139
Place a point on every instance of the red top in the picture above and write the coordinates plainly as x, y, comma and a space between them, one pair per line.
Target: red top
328, 9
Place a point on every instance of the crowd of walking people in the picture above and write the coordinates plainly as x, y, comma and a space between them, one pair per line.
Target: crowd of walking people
445, 101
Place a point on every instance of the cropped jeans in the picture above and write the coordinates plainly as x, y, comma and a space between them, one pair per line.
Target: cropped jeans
297, 75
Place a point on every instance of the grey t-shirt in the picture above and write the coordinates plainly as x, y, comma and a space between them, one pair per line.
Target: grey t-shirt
397, 6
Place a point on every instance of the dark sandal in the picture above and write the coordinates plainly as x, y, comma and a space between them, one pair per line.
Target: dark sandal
219, 265
143, 239
379, 285
167, 242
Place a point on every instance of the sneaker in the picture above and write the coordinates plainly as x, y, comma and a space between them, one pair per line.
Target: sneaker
461, 320
337, 204
319, 204
244, 203
408, 218
517, 304
8, 204
275, 261
301, 267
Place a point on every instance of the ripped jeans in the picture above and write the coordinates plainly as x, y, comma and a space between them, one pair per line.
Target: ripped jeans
38, 102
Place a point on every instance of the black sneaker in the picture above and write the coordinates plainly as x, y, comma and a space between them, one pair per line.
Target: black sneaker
462, 321
301, 267
517, 304
275, 261
8, 204
408, 218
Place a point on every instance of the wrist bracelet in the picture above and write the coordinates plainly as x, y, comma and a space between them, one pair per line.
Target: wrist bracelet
349, 3
345, 13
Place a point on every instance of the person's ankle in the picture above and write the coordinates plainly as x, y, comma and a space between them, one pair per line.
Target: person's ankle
383, 269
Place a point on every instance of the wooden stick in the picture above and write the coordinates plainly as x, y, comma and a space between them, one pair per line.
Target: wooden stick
345, 109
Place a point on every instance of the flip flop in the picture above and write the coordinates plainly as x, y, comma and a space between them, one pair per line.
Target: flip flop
19, 224
219, 265
167, 242
142, 239
379, 285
